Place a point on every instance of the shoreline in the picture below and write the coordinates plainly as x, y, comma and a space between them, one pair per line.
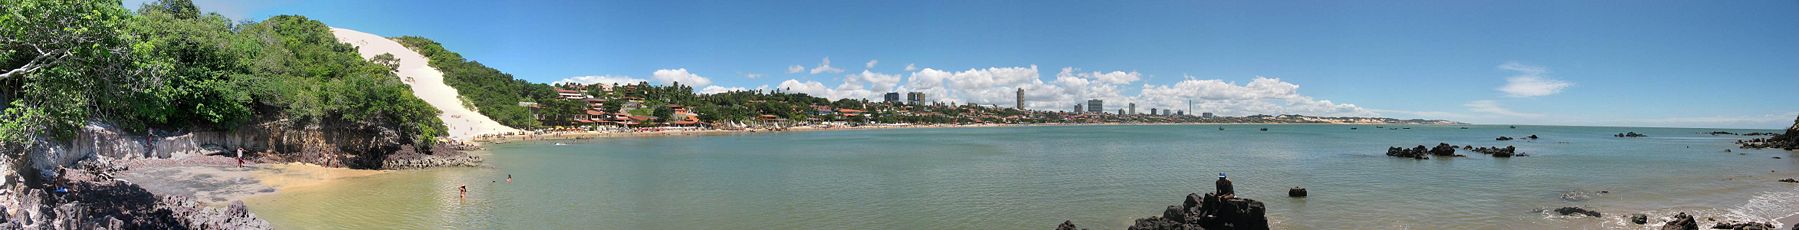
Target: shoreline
582, 135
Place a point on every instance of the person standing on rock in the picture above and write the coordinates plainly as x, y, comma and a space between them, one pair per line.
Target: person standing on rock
1224, 187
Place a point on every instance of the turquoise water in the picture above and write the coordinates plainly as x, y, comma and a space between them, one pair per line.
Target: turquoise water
1101, 177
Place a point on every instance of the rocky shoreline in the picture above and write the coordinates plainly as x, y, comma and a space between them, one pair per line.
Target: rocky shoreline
72, 183
1202, 212
1788, 141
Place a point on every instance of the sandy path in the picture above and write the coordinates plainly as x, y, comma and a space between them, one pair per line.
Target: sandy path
427, 83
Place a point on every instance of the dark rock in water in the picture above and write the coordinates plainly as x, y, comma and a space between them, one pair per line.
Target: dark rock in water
1576, 210
1630, 134
1503, 138
1532, 137
1296, 192
1744, 226
1789, 180
1443, 149
1415, 152
1264, 129
1776, 157
1209, 212
1681, 221
1067, 225
1639, 219
1508, 151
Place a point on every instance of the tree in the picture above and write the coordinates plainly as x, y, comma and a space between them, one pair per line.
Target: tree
665, 113
387, 59
57, 60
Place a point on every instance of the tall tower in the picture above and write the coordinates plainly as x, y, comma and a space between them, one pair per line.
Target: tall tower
1133, 107
1020, 98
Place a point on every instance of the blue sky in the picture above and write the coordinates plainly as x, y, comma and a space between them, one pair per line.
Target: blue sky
1630, 63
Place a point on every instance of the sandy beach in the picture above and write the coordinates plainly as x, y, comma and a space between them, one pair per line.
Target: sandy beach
218, 180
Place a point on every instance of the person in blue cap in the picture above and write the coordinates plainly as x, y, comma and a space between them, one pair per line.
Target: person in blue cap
1224, 186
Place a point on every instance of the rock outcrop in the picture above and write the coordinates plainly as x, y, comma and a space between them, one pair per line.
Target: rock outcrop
1208, 212
1630, 134
86, 199
1296, 192
1744, 226
1681, 221
1441, 150
1787, 141
1639, 219
1508, 151
1503, 138
1577, 210
1067, 225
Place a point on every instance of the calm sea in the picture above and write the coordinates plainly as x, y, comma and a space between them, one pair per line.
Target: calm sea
1101, 177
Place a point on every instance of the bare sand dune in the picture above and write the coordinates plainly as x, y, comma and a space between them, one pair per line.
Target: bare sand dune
427, 83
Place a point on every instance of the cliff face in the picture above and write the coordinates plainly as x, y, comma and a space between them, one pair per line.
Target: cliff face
342, 144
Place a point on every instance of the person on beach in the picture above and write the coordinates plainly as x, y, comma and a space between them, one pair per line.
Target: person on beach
240, 157
1224, 187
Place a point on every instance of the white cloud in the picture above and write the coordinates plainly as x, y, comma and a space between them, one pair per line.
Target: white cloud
1493, 107
911, 67
681, 75
752, 75
600, 79
796, 69
825, 67
871, 63
720, 89
1530, 81
1262, 95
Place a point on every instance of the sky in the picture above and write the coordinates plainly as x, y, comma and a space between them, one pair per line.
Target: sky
1732, 64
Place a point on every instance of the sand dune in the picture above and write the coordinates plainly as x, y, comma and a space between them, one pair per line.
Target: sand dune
427, 83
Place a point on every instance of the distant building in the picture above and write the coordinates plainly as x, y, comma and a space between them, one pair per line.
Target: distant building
1096, 106
1206, 115
570, 94
892, 97
1077, 108
1152, 111
1132, 106
915, 98
1180, 113
1020, 99
1120, 111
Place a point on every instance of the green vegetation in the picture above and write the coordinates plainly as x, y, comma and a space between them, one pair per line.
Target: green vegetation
494, 93
168, 66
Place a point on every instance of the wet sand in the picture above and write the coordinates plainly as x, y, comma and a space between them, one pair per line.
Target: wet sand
218, 180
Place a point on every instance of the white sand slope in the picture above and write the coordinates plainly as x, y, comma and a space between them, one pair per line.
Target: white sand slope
427, 83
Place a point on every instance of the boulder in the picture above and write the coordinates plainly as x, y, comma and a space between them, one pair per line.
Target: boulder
1576, 210
1067, 225
1744, 226
1789, 180
1503, 138
1296, 192
1209, 212
1630, 134
1681, 221
1639, 219
1532, 137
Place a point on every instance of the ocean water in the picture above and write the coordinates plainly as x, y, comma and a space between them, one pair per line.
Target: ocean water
1101, 177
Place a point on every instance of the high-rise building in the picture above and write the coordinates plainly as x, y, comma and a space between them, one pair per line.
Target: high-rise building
1077, 108
915, 98
892, 97
1096, 106
1133, 107
1120, 111
1020, 99
1152, 111
1180, 113
1206, 115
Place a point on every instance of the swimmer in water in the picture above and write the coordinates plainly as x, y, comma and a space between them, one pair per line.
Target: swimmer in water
464, 190
508, 178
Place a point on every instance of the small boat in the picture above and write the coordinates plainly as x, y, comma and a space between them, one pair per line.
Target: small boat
560, 143
1351, 128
